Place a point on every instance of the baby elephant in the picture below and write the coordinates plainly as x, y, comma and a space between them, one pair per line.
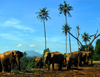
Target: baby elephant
38, 61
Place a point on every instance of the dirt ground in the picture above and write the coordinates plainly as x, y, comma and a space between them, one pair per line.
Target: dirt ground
90, 71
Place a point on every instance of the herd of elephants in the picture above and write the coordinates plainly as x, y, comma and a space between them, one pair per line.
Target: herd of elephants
75, 58
7, 59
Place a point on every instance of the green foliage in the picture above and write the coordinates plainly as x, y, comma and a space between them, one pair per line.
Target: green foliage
25, 54
65, 8
86, 37
96, 55
43, 14
47, 50
30, 65
66, 28
26, 62
83, 48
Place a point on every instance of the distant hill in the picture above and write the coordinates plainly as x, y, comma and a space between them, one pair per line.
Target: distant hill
31, 53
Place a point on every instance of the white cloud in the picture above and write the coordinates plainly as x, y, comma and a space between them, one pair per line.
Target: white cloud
19, 45
16, 24
36, 50
32, 45
6, 47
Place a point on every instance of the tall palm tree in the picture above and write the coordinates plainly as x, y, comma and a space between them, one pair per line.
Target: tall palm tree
43, 15
77, 28
86, 38
65, 9
65, 29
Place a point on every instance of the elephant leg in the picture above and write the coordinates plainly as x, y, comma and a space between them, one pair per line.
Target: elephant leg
80, 63
60, 67
0, 67
8, 68
12, 66
40, 65
48, 65
69, 64
91, 62
53, 66
3, 68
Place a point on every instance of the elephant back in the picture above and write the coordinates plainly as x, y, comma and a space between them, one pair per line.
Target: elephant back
38, 58
56, 52
67, 54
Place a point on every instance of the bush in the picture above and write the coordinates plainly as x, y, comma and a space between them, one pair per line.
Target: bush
30, 65
24, 62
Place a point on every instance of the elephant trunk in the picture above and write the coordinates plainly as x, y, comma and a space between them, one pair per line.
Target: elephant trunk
18, 64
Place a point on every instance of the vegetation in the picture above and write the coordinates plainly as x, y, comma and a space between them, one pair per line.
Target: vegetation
47, 50
26, 63
25, 54
86, 37
96, 55
77, 35
65, 29
82, 48
43, 15
65, 9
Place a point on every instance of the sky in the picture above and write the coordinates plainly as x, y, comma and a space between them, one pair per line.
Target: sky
21, 30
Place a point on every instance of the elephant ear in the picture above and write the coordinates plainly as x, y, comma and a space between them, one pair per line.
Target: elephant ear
52, 55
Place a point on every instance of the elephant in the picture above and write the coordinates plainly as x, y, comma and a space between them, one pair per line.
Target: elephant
73, 58
16, 57
7, 59
38, 61
54, 57
86, 57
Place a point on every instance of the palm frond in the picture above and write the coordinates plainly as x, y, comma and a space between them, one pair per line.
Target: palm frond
65, 8
43, 14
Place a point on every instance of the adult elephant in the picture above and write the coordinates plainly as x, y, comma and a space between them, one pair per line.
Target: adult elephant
73, 58
6, 59
16, 57
38, 61
86, 57
54, 57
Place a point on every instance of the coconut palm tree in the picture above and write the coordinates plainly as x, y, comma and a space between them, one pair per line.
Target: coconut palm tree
86, 38
65, 29
65, 9
77, 28
43, 15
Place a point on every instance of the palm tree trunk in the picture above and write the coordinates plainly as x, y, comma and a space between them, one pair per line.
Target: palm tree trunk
77, 41
69, 43
65, 19
66, 33
44, 33
66, 43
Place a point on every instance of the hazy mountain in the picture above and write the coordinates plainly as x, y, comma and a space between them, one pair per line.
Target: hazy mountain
32, 53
